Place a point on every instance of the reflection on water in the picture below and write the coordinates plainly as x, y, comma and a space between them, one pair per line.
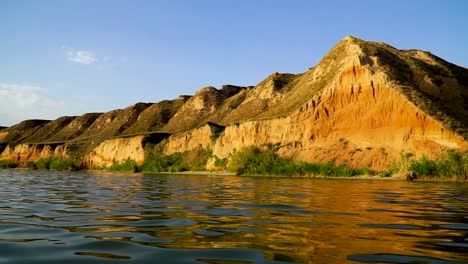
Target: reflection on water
76, 217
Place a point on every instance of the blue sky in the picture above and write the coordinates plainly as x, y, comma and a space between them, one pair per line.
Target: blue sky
71, 57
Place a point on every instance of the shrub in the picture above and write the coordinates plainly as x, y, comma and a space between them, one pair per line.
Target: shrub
389, 172
43, 163
62, 164
220, 162
127, 165
454, 165
252, 160
343, 170
31, 165
423, 167
52, 163
196, 159
6, 164
157, 161
364, 171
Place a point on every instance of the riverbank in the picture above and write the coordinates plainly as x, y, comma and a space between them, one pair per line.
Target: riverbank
253, 161
228, 173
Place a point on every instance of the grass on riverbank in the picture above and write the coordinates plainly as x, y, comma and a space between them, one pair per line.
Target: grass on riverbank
157, 161
252, 160
6, 164
50, 163
128, 165
256, 161
452, 166
53, 163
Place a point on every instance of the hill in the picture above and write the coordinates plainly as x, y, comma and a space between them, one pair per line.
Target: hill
364, 104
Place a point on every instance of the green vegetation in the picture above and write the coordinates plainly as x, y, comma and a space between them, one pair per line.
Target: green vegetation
197, 159
388, 172
252, 160
220, 162
53, 163
127, 165
6, 164
31, 165
266, 161
156, 161
62, 164
160, 163
454, 165
43, 164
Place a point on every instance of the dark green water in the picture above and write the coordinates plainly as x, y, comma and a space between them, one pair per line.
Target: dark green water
86, 217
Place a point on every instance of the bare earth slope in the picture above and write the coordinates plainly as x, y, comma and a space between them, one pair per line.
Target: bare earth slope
363, 104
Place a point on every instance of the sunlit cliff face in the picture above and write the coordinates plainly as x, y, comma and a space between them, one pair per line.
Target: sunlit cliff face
364, 104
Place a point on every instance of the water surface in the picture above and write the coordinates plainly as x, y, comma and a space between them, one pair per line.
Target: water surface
89, 217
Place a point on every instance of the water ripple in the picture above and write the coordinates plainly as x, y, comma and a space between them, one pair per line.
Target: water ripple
91, 217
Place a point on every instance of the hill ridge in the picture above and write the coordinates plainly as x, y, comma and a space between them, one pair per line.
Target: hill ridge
355, 75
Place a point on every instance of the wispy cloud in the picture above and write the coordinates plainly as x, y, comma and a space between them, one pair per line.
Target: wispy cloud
81, 56
20, 102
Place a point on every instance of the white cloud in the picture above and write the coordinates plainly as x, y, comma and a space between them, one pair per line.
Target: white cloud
20, 102
81, 56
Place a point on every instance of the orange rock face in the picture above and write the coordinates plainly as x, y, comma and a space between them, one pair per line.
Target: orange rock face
32, 152
360, 112
114, 151
364, 104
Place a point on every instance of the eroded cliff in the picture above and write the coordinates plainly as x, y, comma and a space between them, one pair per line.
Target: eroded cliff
363, 105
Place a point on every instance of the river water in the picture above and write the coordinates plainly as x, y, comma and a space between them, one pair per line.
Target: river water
91, 217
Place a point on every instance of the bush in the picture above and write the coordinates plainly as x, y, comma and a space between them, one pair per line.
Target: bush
389, 172
220, 162
6, 164
454, 165
158, 162
43, 163
423, 167
51, 163
196, 159
127, 165
252, 160
31, 165
364, 171
62, 164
